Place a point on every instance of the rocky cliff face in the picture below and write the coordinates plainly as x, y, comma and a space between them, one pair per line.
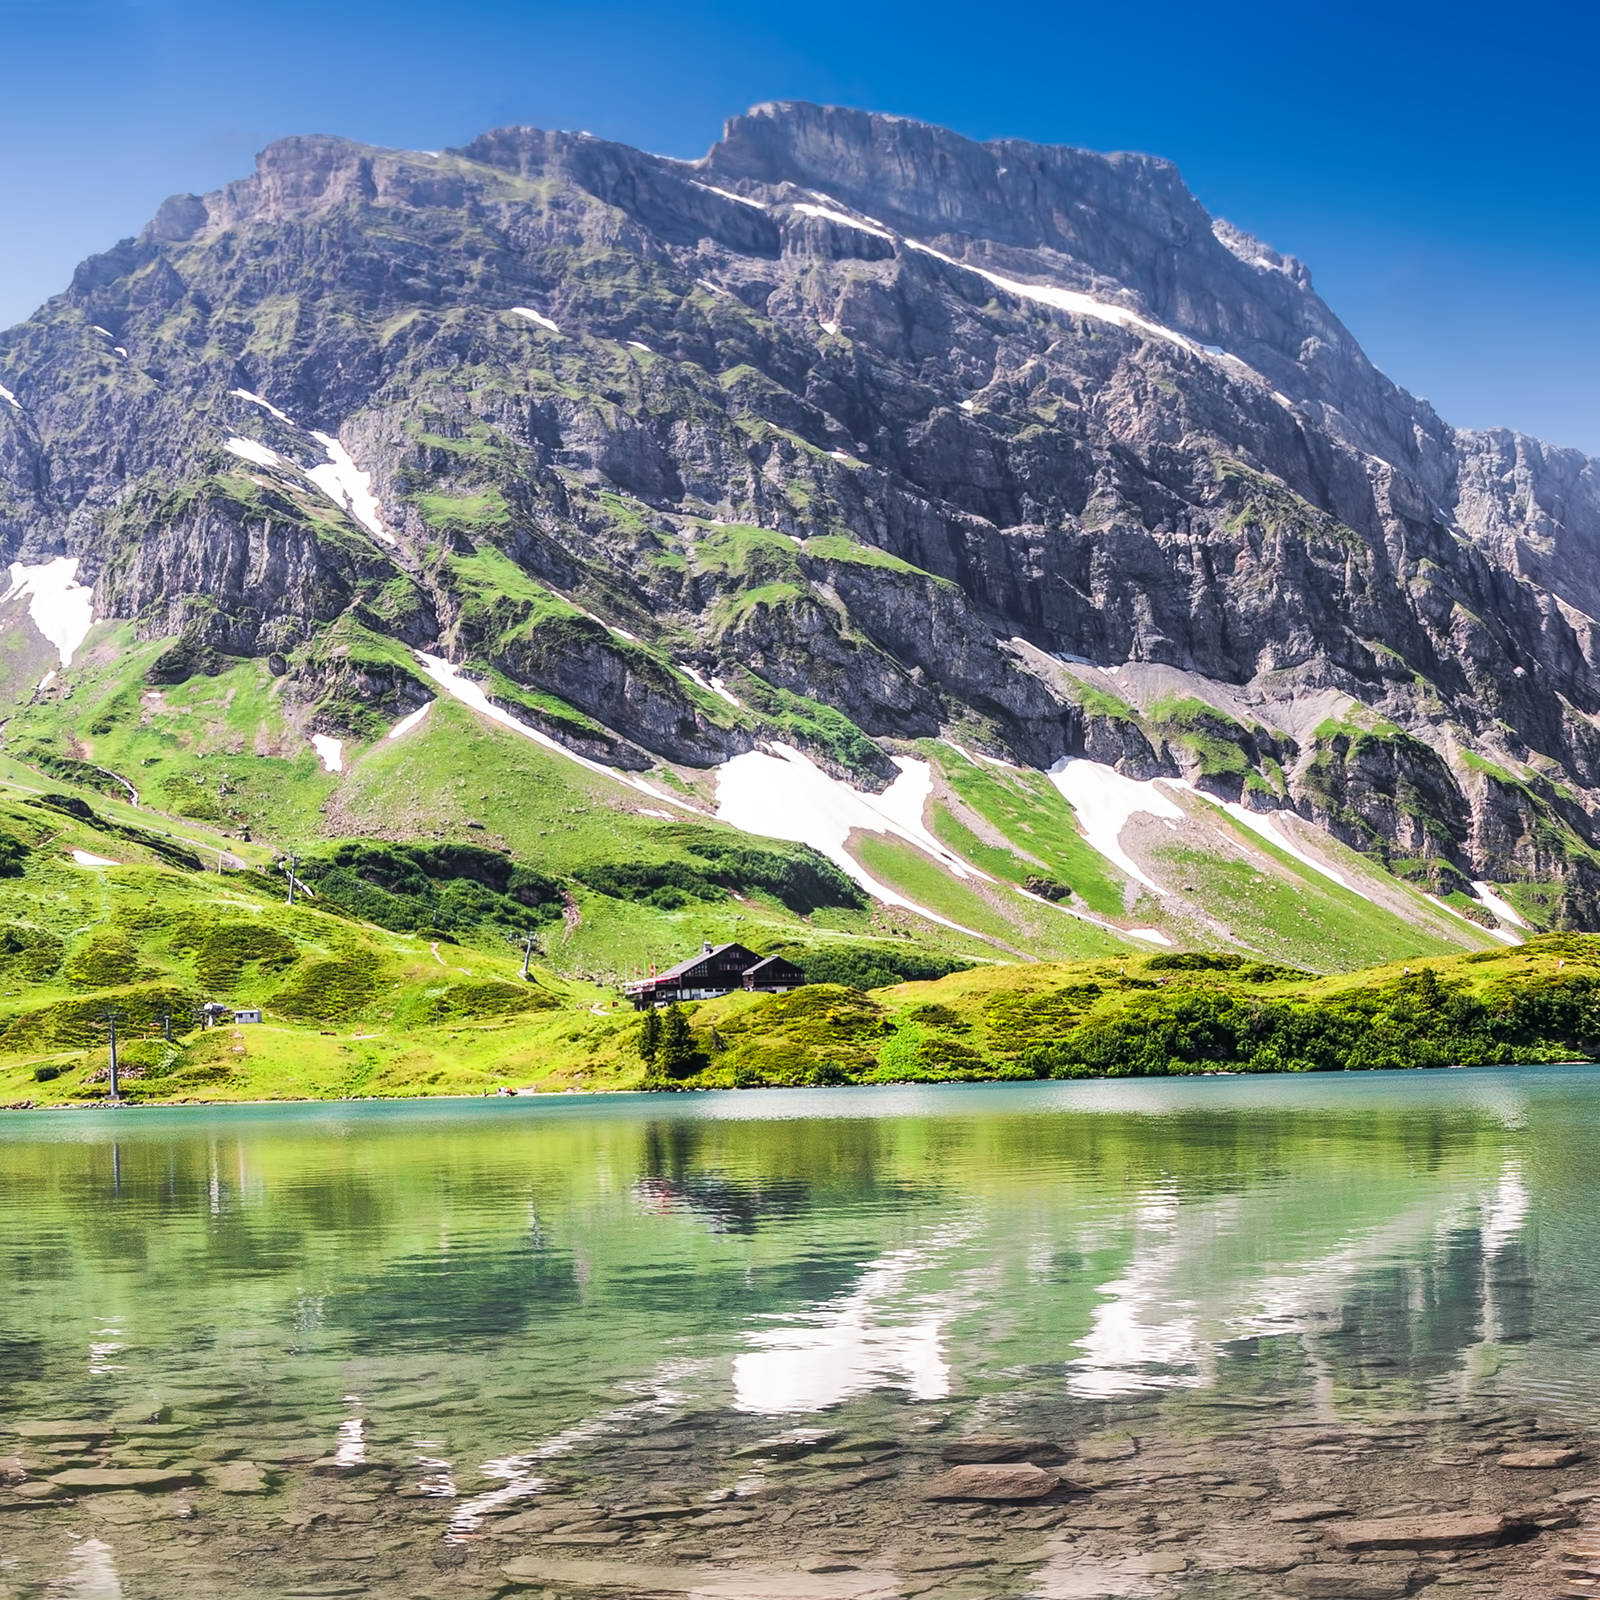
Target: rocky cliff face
884, 424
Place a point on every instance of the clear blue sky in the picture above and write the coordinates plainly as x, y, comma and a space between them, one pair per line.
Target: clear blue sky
1435, 165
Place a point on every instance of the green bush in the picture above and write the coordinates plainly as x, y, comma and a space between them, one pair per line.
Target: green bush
327, 991
488, 999
803, 881
451, 887
80, 1024
107, 961
859, 965
13, 856
222, 950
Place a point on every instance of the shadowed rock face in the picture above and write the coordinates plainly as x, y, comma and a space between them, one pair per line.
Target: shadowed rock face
1031, 410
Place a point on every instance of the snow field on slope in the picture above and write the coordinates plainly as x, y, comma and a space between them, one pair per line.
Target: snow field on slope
348, 487
409, 721
785, 795
1105, 801
537, 317
9, 398
1501, 907
60, 607
330, 752
266, 405
250, 450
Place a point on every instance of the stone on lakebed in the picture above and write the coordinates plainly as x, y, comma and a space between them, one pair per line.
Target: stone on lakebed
995, 1481
988, 1450
1547, 1460
1450, 1530
94, 1480
1307, 1511
1329, 1580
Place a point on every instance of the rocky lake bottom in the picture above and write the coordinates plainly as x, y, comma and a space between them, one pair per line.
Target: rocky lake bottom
1058, 1503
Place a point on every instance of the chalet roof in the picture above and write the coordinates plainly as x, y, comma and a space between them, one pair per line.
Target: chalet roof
772, 961
693, 961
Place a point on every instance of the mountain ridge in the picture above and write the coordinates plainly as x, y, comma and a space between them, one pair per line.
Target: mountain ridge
904, 438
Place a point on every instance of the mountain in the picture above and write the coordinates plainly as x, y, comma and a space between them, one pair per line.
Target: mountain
1034, 556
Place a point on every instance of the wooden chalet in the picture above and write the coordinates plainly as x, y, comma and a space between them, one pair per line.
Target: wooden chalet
717, 970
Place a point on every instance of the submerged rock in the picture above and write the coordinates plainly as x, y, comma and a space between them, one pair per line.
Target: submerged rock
92, 1480
1331, 1581
1452, 1530
983, 1450
1547, 1460
1021, 1481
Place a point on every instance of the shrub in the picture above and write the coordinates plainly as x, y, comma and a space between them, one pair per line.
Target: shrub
108, 961
454, 888
488, 999
327, 991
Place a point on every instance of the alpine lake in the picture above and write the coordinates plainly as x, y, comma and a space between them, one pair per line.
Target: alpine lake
1314, 1336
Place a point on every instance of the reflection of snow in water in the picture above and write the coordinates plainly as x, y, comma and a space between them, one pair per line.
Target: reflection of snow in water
1146, 1334
1506, 1212
438, 1484
102, 1348
519, 1474
352, 1447
91, 1574
842, 1349
1133, 1329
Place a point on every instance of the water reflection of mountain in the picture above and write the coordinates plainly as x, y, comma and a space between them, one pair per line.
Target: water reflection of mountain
1335, 1239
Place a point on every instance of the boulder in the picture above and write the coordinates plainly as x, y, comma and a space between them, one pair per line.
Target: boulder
997, 1482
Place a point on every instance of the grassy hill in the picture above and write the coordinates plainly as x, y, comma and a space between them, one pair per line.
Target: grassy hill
105, 913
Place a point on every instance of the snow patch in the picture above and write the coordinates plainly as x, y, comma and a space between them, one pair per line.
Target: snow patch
719, 687
348, 486
86, 858
1105, 802
471, 694
665, 816
61, 608
1070, 300
253, 451
831, 327
535, 316
1149, 935
635, 344
1504, 935
1501, 907
105, 331
408, 722
784, 795
9, 398
978, 759
266, 405
330, 752
828, 214
728, 194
